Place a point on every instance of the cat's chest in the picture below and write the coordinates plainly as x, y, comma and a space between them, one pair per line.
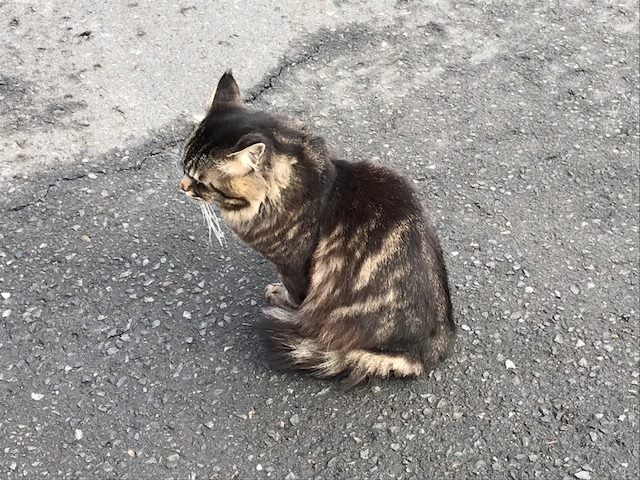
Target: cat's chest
275, 240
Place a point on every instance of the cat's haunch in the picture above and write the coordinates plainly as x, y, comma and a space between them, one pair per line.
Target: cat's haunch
364, 288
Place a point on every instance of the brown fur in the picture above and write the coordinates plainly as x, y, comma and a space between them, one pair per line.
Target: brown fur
364, 286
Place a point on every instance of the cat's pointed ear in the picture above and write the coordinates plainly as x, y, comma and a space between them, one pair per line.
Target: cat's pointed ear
227, 92
246, 160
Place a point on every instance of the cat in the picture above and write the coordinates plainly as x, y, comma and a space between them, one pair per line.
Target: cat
364, 290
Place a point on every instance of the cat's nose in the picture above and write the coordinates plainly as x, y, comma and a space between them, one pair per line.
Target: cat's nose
186, 184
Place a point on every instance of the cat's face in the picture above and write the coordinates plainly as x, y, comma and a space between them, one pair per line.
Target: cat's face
223, 163
232, 180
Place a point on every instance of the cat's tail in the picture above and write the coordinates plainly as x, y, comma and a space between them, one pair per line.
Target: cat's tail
290, 350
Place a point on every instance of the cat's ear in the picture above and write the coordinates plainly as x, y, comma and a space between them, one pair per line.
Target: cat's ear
246, 160
227, 92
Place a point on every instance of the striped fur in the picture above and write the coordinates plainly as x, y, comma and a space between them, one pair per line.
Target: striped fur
364, 289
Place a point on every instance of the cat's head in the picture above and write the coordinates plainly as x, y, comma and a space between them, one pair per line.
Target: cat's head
228, 157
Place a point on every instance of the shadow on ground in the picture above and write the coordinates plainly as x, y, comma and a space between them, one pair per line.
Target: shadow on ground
128, 342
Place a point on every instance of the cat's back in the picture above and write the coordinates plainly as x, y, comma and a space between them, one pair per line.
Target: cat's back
369, 189
375, 213
379, 260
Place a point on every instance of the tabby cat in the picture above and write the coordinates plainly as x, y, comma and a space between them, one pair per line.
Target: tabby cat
364, 289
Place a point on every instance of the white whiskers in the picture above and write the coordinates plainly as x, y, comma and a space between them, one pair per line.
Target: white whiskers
213, 225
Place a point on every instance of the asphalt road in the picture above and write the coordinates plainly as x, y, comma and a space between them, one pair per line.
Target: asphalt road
127, 342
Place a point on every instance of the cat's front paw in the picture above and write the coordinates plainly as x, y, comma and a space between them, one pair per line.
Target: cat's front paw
277, 296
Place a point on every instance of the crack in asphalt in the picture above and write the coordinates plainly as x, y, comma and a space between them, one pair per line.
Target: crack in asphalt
320, 42
254, 94
307, 50
268, 81
72, 177
157, 144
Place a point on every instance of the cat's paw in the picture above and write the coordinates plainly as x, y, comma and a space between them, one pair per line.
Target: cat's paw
277, 296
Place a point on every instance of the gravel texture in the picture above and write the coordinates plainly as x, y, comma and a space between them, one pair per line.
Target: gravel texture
127, 342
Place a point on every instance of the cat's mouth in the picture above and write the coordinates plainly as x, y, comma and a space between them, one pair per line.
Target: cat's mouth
227, 202
194, 189
206, 193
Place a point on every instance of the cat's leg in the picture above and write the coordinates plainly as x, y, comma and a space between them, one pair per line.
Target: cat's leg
278, 296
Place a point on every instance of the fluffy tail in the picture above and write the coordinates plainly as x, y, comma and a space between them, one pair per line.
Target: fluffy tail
292, 351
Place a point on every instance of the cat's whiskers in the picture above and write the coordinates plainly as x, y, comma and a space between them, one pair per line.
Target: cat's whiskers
213, 225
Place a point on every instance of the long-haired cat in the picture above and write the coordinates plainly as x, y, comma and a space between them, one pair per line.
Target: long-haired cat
364, 287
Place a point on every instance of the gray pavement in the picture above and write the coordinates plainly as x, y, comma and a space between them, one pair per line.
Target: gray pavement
127, 342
